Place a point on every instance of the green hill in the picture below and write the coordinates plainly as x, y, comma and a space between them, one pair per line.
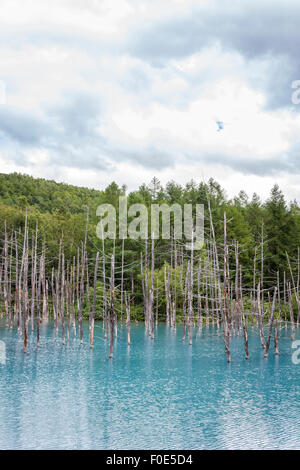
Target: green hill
46, 196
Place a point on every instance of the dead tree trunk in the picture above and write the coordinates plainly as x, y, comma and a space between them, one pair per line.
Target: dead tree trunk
260, 318
291, 311
33, 277
38, 302
63, 297
262, 267
54, 303
157, 299
25, 287
294, 287
190, 292
111, 309
226, 330
122, 279
93, 311
84, 256
104, 311
226, 336
151, 298
199, 298
271, 323
5, 287
276, 338
143, 290
127, 304
284, 298
167, 296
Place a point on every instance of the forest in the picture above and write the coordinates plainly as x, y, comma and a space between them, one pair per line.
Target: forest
59, 209
53, 264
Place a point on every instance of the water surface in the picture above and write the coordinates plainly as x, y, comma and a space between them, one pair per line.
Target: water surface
161, 394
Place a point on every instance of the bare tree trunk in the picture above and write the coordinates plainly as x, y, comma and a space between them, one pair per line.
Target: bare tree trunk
143, 290
276, 338
284, 298
93, 311
146, 289
122, 279
111, 310
67, 290
84, 256
7, 312
253, 303
58, 289
72, 294
206, 296
190, 292
33, 278
25, 287
260, 318
271, 324
262, 266
298, 269
127, 304
54, 303
226, 332
175, 285
226, 336
199, 298
43, 276
278, 291
105, 320
77, 283
167, 296
295, 288
38, 298
157, 298
151, 298
63, 296
291, 311
184, 295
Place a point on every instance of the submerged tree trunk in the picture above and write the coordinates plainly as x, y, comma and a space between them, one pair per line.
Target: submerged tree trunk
111, 309
276, 338
271, 323
127, 304
93, 310
260, 319
84, 256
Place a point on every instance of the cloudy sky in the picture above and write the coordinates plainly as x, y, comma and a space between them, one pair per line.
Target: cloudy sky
98, 90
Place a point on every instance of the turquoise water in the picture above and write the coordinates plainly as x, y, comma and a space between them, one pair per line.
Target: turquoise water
161, 394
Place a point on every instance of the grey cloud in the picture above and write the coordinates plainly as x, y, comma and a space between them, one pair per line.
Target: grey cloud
255, 29
153, 156
264, 33
21, 127
78, 116
270, 166
70, 132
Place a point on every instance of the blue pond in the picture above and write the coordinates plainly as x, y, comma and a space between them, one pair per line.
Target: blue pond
161, 394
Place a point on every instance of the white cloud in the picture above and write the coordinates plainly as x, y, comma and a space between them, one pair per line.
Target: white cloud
149, 117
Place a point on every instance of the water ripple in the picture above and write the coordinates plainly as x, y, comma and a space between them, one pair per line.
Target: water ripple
162, 394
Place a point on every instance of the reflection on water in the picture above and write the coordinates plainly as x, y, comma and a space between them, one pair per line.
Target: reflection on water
156, 394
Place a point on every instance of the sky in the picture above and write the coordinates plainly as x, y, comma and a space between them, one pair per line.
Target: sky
95, 91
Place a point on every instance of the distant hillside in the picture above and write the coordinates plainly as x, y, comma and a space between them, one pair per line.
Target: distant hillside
46, 196
60, 212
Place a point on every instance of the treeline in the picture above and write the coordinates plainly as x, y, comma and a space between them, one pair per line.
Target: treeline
21, 191
52, 265
59, 210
